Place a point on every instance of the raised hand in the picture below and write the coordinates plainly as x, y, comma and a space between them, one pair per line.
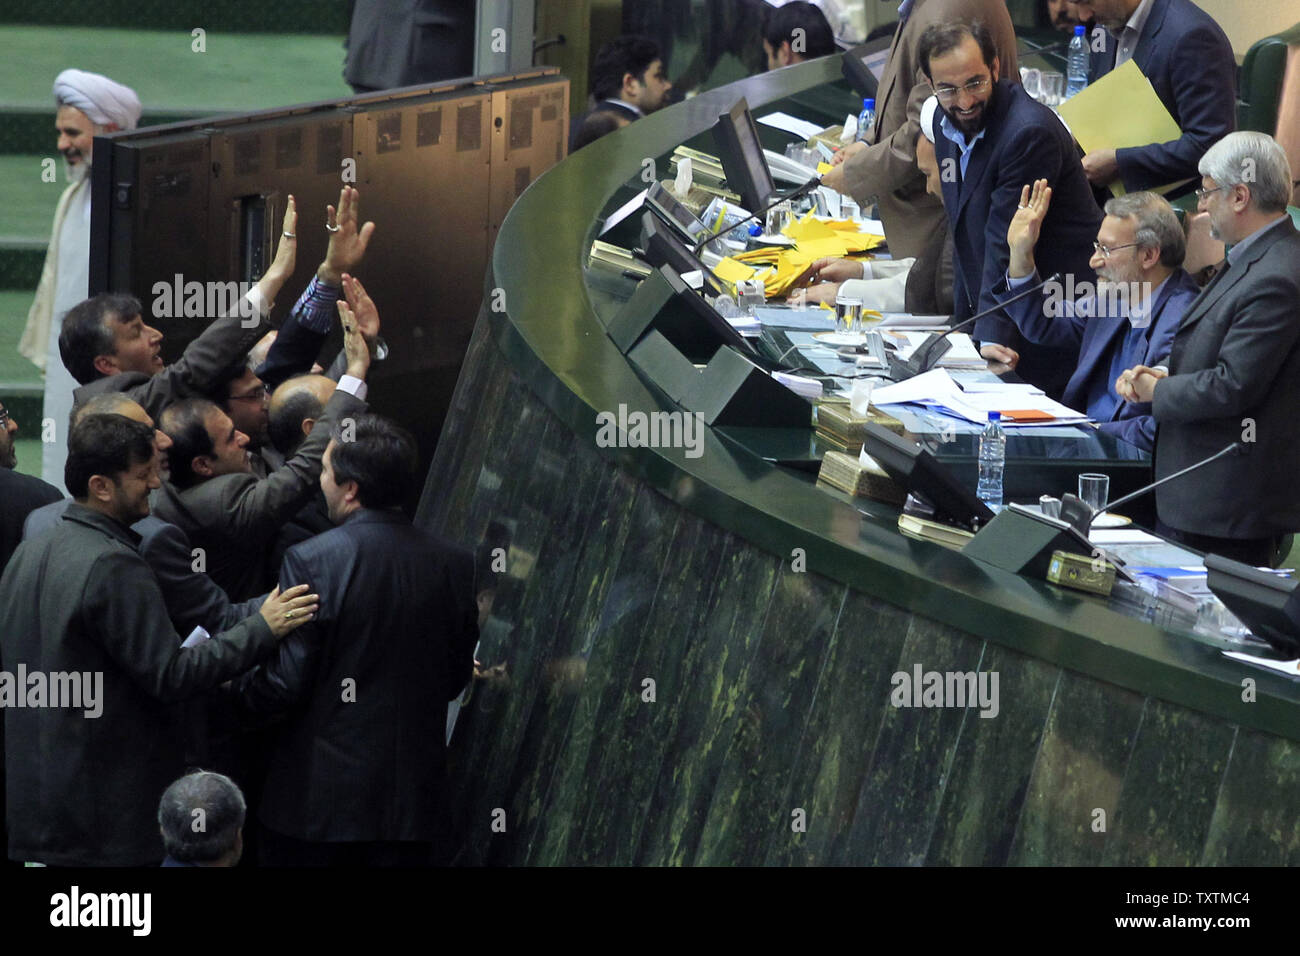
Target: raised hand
286, 254
354, 344
347, 246
1025, 227
362, 306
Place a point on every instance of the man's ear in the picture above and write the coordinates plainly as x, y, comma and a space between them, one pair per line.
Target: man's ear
106, 365
100, 488
349, 489
628, 80
307, 425
785, 55
201, 465
997, 69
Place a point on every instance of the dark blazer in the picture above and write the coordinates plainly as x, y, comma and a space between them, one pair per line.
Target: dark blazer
403, 42
1023, 141
398, 620
193, 599
602, 106
885, 173
20, 495
1189, 61
234, 518
190, 376
83, 791
1234, 375
1096, 337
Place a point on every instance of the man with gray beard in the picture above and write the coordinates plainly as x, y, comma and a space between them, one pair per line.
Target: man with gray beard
88, 105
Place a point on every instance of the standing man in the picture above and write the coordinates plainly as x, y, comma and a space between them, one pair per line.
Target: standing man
627, 79
1189, 61
88, 105
990, 139
79, 606
20, 494
1234, 368
883, 169
357, 768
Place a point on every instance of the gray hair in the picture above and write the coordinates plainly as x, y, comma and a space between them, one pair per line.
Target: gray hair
1254, 160
1157, 225
200, 816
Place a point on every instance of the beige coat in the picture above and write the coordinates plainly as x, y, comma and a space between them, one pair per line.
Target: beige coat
886, 171
36, 334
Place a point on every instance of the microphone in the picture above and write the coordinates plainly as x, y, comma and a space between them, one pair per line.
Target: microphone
798, 191
1080, 516
936, 345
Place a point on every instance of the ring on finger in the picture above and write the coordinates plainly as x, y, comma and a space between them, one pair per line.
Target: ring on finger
332, 228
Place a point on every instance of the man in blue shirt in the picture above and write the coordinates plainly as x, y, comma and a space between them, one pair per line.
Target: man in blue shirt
1141, 295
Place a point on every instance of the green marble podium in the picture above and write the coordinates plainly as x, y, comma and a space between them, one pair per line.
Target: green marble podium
703, 653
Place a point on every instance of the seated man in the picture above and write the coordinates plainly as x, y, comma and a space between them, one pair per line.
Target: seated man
212, 495
920, 286
796, 32
1234, 368
990, 139
627, 78
1189, 61
1142, 294
360, 782
216, 800
82, 776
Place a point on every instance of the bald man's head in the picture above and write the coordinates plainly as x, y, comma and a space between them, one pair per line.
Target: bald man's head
295, 407
118, 403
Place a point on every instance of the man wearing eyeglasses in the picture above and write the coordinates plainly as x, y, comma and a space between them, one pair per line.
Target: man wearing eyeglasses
1129, 319
1234, 367
990, 139
882, 169
245, 399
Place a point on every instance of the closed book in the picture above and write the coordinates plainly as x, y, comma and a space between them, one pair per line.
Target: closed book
923, 528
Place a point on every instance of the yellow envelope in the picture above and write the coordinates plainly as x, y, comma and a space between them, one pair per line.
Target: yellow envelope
729, 270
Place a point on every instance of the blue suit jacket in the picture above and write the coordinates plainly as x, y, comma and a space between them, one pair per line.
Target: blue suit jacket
1023, 141
1189, 61
1096, 337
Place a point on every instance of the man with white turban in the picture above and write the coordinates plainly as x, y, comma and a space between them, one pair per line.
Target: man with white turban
88, 105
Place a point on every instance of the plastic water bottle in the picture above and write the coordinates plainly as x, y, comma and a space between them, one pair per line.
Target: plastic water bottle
867, 118
1076, 63
993, 458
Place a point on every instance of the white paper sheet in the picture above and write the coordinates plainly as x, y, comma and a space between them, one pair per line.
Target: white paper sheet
792, 124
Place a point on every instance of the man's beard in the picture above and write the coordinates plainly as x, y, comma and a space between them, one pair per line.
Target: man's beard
971, 126
76, 172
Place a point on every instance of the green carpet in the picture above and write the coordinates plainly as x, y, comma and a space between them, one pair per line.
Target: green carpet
238, 72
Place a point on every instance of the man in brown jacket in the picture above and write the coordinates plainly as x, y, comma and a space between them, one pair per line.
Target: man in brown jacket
883, 169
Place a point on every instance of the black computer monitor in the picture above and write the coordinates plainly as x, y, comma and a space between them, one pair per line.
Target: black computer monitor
862, 65
663, 247
741, 152
1264, 602
925, 478
675, 216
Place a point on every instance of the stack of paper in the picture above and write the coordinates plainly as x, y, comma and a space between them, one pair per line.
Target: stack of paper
781, 267
962, 354
807, 387
1019, 406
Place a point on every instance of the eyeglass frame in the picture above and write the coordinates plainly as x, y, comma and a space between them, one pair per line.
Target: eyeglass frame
1202, 193
1105, 251
259, 394
5, 417
949, 94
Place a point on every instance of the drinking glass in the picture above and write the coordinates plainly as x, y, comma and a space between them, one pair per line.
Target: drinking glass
1053, 85
848, 313
1095, 491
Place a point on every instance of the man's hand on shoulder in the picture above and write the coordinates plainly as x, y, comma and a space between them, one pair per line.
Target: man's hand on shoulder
292, 609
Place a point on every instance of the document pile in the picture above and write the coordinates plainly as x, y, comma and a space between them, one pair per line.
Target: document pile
962, 353
1021, 405
780, 267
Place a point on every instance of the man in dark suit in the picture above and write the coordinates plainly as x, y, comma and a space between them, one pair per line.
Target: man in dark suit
84, 769
990, 139
395, 43
882, 170
627, 79
1130, 318
1234, 368
1190, 64
20, 494
357, 767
